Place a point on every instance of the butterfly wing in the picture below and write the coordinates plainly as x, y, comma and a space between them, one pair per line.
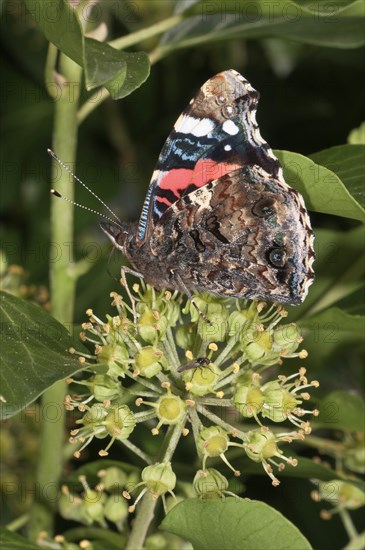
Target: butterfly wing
216, 134
243, 235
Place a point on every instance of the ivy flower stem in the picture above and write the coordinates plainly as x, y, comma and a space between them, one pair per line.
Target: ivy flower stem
50, 462
216, 420
146, 508
348, 524
136, 450
230, 345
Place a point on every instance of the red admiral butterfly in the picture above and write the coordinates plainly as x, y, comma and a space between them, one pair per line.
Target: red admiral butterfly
218, 216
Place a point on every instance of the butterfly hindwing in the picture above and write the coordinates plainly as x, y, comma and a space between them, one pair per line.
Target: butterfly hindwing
242, 235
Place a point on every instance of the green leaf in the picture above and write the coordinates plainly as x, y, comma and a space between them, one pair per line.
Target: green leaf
348, 163
120, 72
357, 135
342, 410
233, 524
12, 541
354, 303
330, 329
322, 189
341, 26
339, 270
33, 353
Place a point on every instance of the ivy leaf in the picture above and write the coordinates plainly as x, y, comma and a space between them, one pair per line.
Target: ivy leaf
330, 329
34, 353
232, 524
120, 72
342, 410
339, 270
348, 162
339, 27
322, 189
12, 541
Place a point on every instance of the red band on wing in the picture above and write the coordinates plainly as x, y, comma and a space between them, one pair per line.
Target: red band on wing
178, 179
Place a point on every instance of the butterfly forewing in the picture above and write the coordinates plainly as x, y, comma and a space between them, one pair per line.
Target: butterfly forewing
216, 134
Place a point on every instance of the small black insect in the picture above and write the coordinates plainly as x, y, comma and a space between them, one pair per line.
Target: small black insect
196, 363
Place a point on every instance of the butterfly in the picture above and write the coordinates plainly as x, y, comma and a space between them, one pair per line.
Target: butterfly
218, 215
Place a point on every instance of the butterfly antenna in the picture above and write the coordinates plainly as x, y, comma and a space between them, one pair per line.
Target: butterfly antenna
65, 167
57, 194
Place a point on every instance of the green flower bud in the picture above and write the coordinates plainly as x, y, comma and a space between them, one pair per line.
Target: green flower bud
172, 312
248, 399
210, 483
156, 542
170, 409
287, 338
152, 325
185, 337
116, 509
92, 507
212, 441
342, 494
94, 417
354, 458
150, 361
115, 356
261, 445
279, 402
120, 422
216, 329
113, 478
239, 321
202, 380
159, 478
103, 387
69, 506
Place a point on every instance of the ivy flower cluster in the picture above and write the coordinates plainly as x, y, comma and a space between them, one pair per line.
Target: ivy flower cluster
201, 370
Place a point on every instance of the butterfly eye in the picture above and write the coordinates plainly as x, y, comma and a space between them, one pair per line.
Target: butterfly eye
263, 207
277, 257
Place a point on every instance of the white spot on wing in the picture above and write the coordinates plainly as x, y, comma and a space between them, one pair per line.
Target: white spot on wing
230, 128
197, 127
227, 148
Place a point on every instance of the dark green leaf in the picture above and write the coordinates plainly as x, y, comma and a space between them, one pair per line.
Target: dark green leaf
322, 189
233, 524
339, 270
120, 72
338, 27
342, 410
348, 162
33, 353
354, 303
330, 329
12, 541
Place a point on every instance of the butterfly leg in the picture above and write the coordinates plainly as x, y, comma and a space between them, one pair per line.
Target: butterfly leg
124, 282
182, 285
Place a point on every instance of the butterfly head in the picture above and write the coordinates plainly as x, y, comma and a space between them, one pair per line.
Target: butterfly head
117, 234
